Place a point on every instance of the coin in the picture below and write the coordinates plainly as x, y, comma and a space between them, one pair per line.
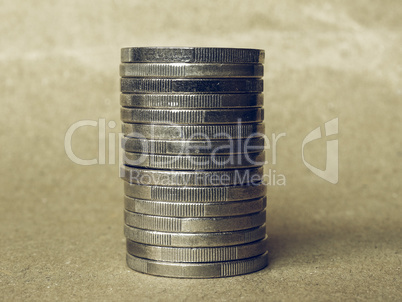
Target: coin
190, 178
197, 147
194, 209
195, 194
153, 85
193, 132
194, 239
194, 225
191, 70
182, 116
194, 162
192, 54
196, 101
200, 254
197, 270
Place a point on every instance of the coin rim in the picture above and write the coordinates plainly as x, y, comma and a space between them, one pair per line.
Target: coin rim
188, 225
210, 239
216, 209
189, 254
259, 262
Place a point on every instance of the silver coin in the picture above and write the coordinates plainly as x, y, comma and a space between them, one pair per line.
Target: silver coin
199, 116
193, 132
194, 239
196, 147
191, 55
195, 194
194, 209
190, 178
146, 85
194, 162
197, 270
194, 225
200, 254
198, 101
191, 70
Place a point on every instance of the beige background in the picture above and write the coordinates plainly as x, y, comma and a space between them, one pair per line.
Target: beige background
61, 223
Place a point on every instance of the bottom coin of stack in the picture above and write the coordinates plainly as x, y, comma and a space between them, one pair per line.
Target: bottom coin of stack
205, 261
197, 231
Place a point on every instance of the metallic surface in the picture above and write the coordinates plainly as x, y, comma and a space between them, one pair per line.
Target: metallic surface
198, 270
197, 147
195, 194
192, 55
147, 85
191, 117
193, 132
194, 209
194, 162
227, 238
200, 254
199, 116
190, 178
195, 101
188, 70
194, 225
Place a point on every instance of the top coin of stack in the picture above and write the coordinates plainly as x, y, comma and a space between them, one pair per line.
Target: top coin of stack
193, 127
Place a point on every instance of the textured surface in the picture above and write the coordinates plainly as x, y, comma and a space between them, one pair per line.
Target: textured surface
202, 254
62, 223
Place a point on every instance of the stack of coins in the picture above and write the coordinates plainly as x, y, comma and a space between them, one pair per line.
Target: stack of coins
193, 155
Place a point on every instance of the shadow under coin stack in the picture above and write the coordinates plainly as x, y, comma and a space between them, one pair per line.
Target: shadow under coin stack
194, 151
